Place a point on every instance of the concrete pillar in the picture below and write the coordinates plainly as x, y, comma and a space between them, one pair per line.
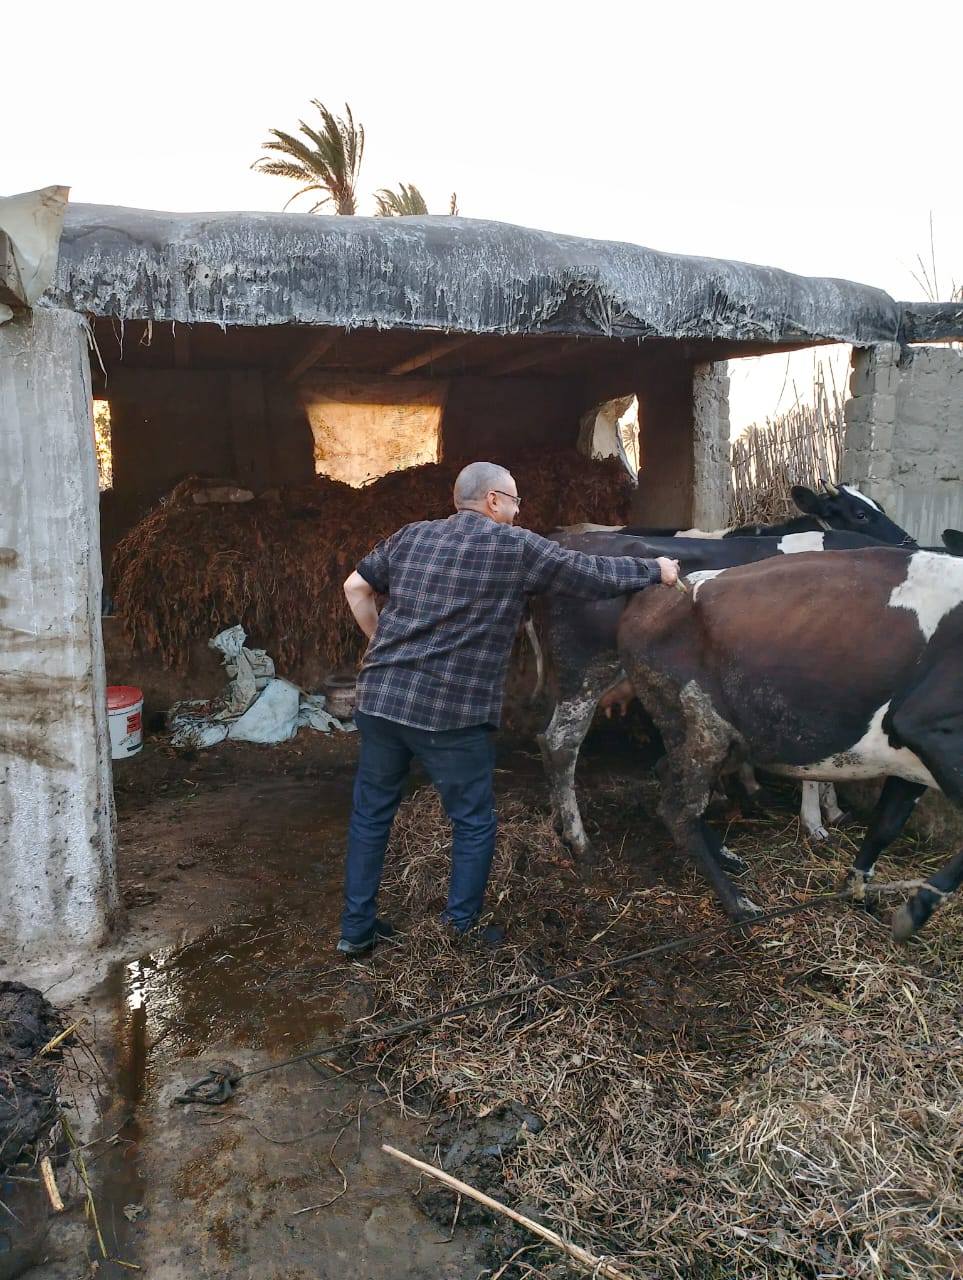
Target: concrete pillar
58, 886
711, 470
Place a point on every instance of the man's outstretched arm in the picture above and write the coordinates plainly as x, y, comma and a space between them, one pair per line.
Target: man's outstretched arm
360, 595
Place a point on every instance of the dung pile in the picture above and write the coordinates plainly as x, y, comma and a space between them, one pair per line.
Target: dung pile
784, 1104
276, 564
28, 1085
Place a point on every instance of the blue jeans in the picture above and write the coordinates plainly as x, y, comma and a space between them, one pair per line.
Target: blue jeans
460, 763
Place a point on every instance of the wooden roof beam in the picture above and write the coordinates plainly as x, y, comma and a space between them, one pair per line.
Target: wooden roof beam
526, 359
311, 354
433, 352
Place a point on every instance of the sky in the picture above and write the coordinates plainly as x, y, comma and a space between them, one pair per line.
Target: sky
816, 137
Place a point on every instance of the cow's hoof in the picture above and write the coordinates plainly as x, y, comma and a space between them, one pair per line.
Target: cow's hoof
585, 859
903, 924
915, 912
731, 863
818, 835
854, 883
745, 909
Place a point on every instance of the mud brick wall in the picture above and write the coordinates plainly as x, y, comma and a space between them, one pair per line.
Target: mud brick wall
904, 435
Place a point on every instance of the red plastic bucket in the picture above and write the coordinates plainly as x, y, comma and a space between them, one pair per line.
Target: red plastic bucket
125, 713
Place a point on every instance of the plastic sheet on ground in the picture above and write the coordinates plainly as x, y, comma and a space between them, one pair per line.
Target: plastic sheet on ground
257, 706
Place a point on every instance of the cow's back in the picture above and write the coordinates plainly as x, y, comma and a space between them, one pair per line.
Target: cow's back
791, 649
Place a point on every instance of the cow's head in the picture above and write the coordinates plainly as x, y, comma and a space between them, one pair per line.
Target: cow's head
953, 541
845, 508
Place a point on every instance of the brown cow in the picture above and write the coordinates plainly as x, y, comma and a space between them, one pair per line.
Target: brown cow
821, 667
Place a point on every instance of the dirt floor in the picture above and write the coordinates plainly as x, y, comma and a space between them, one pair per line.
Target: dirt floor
231, 866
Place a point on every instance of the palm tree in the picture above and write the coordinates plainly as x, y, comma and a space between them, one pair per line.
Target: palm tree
407, 200
328, 161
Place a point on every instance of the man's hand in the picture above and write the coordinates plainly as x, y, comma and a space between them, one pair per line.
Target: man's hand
361, 601
670, 570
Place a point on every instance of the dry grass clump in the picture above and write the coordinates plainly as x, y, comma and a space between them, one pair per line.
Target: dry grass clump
788, 1103
276, 565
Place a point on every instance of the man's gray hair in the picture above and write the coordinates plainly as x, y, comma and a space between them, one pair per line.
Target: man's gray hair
478, 479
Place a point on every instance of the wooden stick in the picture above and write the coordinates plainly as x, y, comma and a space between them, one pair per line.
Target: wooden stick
50, 1185
598, 1266
52, 1044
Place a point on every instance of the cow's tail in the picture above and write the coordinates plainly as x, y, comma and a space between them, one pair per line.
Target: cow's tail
539, 660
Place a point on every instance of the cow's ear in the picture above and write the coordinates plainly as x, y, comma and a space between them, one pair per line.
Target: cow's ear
953, 541
805, 499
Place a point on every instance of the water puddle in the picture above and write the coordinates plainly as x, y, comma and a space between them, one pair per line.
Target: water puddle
264, 982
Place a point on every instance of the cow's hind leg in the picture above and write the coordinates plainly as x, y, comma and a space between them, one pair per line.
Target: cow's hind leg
893, 808
912, 915
829, 803
684, 788
730, 862
560, 744
690, 836
810, 814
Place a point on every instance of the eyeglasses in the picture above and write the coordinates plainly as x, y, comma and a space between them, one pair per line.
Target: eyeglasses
514, 497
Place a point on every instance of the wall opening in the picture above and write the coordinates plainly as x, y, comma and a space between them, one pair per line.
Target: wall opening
612, 430
788, 428
102, 445
365, 427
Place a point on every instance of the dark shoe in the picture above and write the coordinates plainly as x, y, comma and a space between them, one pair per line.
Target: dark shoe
382, 929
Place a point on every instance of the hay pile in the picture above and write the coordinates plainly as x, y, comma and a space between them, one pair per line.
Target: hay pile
276, 565
784, 1105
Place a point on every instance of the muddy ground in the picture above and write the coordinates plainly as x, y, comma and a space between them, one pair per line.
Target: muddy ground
230, 865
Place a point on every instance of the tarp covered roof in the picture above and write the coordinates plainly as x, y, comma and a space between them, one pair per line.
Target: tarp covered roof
458, 274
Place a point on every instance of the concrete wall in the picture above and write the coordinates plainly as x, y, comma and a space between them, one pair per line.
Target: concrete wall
57, 874
711, 472
664, 495
663, 383
169, 423
492, 419
904, 435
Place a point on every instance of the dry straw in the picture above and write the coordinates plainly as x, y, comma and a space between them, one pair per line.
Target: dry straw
276, 565
789, 1105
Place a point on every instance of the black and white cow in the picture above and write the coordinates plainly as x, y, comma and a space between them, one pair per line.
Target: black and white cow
820, 667
579, 641
841, 507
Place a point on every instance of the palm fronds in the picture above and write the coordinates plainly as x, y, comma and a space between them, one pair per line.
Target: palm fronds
328, 162
407, 201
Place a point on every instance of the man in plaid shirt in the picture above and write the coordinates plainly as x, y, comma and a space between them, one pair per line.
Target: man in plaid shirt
432, 681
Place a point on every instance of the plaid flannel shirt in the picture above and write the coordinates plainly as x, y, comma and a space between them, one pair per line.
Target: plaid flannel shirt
456, 592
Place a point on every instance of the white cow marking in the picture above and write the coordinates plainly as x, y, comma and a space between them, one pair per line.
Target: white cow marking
855, 493
791, 544
699, 576
871, 757
591, 528
701, 533
932, 587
